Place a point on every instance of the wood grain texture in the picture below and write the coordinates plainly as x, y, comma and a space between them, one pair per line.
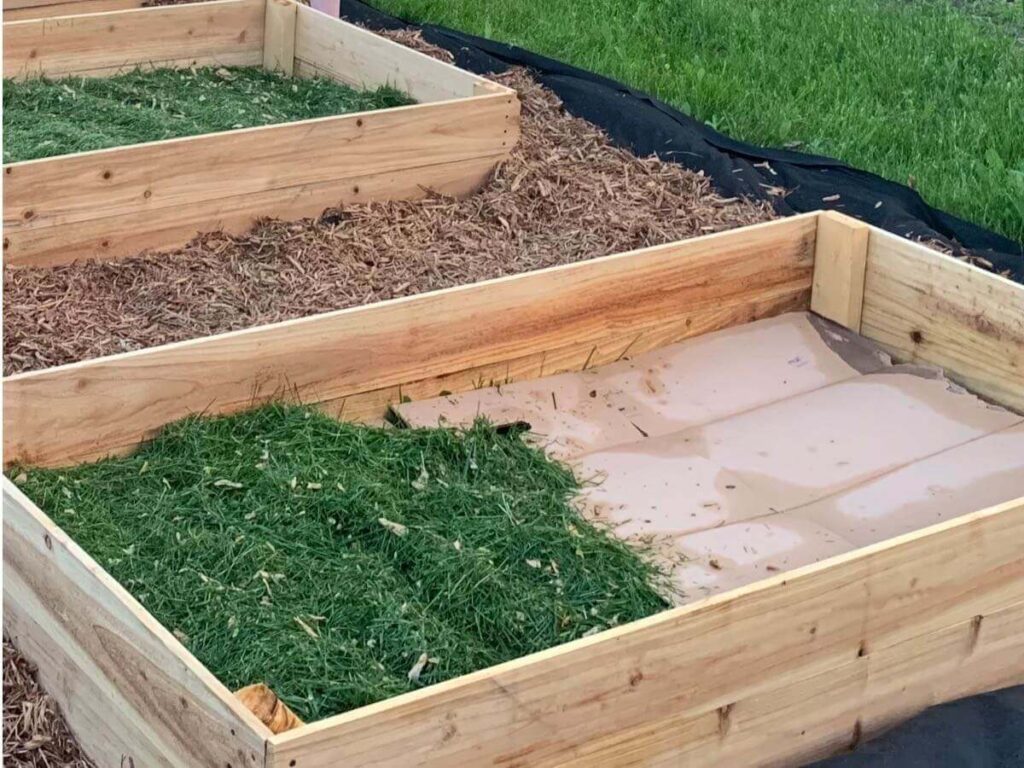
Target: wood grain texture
372, 407
112, 237
130, 692
19, 11
89, 409
181, 186
352, 55
279, 36
774, 673
221, 33
831, 711
840, 260
927, 307
116, 202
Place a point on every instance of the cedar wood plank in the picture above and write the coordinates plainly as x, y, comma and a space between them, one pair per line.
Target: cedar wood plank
928, 307
225, 32
334, 48
698, 684
165, 174
89, 409
46, 9
61, 208
131, 693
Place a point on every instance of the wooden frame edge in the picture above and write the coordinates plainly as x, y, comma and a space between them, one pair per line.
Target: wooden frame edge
122, 679
840, 262
90, 409
99, 203
842, 614
928, 307
57, 8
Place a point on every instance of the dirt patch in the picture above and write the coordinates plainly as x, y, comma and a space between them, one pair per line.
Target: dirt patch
565, 195
35, 734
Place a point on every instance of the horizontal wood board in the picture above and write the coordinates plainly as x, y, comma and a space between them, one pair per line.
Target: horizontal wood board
58, 209
19, 11
221, 33
87, 410
333, 48
927, 307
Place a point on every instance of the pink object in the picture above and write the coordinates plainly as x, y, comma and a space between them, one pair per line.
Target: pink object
330, 7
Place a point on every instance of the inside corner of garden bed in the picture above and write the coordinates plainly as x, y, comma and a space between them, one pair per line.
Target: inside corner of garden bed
435, 551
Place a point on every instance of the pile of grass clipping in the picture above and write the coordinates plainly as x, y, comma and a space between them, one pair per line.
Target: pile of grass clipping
344, 564
44, 118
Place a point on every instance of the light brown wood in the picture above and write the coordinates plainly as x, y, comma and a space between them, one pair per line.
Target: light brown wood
163, 174
131, 693
279, 36
865, 624
117, 202
17, 11
828, 712
129, 233
373, 407
334, 48
259, 699
220, 33
840, 259
89, 409
927, 307
175, 188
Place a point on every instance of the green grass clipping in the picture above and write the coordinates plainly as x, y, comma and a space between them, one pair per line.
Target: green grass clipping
343, 564
45, 118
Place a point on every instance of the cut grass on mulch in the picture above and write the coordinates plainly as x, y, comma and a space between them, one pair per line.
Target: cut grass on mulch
35, 734
917, 91
344, 564
565, 195
43, 118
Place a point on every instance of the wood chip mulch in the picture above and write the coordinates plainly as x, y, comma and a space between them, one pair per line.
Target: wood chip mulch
565, 195
35, 734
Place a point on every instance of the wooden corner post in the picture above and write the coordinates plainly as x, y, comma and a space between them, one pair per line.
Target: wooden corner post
840, 261
279, 36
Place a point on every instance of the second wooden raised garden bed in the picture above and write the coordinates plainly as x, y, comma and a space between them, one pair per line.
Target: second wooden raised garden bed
791, 667
116, 202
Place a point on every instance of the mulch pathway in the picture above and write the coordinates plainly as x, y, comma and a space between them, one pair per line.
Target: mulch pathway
35, 734
565, 195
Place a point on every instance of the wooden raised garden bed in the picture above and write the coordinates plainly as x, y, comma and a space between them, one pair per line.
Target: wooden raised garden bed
792, 667
116, 202
19, 10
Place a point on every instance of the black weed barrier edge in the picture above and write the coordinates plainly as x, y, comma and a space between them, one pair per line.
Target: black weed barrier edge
648, 126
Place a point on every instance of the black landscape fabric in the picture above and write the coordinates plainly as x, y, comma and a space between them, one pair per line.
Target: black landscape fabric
648, 126
984, 731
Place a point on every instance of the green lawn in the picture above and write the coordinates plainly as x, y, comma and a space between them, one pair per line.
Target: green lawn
924, 90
